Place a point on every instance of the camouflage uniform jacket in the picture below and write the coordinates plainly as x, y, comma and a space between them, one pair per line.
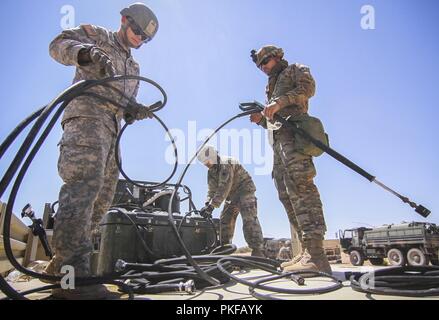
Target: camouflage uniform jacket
291, 89
65, 48
227, 181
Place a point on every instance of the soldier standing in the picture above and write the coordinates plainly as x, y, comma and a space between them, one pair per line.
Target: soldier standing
288, 90
87, 163
228, 180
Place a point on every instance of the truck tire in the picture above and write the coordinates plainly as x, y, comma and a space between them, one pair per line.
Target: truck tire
376, 261
356, 258
415, 257
396, 257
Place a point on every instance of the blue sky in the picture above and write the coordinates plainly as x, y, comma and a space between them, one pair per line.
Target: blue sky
376, 93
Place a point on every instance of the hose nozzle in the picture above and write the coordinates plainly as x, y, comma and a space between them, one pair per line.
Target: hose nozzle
423, 211
120, 265
188, 286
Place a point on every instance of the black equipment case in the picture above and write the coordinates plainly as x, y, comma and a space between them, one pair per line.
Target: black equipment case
122, 231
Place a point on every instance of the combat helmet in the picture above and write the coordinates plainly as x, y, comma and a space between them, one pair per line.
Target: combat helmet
144, 18
265, 52
208, 153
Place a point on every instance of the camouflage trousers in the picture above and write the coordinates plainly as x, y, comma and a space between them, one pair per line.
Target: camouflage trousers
293, 174
246, 205
87, 166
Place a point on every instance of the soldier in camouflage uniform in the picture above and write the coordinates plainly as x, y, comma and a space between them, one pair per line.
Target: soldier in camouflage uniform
285, 252
87, 149
288, 90
228, 180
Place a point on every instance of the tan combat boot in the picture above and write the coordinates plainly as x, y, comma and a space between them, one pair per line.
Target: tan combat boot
304, 263
292, 261
313, 259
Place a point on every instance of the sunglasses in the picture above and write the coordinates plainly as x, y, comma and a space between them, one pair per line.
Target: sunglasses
137, 30
265, 61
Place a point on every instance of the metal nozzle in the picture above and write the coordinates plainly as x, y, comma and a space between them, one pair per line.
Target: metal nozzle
299, 280
27, 211
188, 286
120, 265
423, 211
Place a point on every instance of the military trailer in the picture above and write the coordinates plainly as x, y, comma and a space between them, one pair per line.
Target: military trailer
415, 244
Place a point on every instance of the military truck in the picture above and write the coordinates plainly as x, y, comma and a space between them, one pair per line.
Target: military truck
415, 244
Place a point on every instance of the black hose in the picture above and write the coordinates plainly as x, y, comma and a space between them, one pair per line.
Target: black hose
18, 129
256, 107
81, 281
139, 235
225, 249
142, 276
296, 277
12, 169
52, 207
258, 284
65, 97
215, 239
122, 286
268, 264
409, 281
119, 160
183, 219
178, 184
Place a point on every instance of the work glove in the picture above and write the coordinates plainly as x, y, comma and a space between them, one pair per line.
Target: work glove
137, 111
97, 56
206, 211
144, 112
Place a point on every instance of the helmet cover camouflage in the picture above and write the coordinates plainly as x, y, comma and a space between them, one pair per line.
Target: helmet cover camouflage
265, 52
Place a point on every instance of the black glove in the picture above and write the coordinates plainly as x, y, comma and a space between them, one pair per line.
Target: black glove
97, 56
207, 211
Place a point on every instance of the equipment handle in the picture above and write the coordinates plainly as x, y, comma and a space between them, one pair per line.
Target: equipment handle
251, 106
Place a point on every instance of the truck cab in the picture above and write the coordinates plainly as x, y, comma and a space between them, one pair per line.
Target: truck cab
351, 238
351, 242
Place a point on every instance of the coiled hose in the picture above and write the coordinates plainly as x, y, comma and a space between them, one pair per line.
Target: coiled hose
409, 281
41, 116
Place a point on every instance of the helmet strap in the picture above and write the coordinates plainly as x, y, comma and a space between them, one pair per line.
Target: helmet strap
123, 34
